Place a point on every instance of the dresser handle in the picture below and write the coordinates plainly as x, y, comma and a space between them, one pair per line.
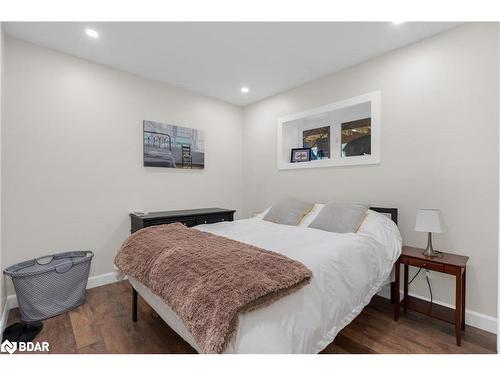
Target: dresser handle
222, 219
424, 264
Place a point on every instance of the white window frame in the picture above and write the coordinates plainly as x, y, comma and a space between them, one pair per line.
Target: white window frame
335, 161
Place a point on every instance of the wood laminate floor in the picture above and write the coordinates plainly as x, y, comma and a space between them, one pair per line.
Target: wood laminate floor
103, 325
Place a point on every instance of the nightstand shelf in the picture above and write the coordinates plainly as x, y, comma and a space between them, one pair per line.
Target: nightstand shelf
451, 264
425, 307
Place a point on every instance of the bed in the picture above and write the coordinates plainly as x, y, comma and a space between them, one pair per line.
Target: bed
348, 270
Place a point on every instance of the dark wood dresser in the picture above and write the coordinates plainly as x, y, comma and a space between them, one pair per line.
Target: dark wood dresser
189, 218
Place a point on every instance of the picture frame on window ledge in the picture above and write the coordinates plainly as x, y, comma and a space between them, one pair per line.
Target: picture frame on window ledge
300, 155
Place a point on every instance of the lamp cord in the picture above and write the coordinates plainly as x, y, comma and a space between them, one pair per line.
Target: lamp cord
413, 278
429, 285
426, 279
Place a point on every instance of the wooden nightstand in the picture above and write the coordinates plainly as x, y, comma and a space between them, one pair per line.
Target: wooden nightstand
447, 263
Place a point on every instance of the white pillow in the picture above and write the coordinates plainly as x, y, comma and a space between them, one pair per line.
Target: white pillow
311, 215
383, 230
262, 214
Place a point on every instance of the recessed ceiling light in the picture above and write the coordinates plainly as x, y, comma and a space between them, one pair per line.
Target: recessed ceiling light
398, 22
245, 90
92, 33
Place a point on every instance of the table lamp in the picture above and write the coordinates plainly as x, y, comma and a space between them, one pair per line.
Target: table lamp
430, 220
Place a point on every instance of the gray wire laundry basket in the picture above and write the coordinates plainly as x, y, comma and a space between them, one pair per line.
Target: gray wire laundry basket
48, 286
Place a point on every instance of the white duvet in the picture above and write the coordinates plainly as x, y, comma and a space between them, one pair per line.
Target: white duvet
348, 269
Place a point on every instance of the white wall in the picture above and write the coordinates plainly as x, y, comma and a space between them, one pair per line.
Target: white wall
72, 154
2, 284
439, 148
498, 275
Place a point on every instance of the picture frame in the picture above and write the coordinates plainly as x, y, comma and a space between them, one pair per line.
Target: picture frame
172, 146
300, 155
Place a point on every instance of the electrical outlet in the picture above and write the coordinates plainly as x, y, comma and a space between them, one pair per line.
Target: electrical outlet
428, 274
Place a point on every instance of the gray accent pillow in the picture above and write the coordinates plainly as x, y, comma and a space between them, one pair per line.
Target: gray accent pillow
340, 217
288, 211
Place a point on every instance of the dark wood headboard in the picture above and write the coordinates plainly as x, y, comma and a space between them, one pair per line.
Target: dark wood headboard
391, 211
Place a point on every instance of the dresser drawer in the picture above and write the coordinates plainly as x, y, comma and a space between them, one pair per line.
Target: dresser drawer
426, 264
212, 219
188, 222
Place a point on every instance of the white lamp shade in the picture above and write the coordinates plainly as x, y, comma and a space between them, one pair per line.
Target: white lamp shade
429, 220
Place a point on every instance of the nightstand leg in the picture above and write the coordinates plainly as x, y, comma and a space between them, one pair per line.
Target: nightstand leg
396, 291
405, 287
463, 299
458, 307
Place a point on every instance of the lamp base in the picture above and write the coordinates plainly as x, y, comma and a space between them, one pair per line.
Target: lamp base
429, 251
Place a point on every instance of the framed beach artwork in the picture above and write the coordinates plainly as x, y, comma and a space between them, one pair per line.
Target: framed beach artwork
172, 146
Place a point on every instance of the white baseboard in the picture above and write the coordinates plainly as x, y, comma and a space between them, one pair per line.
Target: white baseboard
93, 282
106, 278
472, 318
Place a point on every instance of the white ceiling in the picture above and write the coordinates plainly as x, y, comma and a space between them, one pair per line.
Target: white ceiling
217, 59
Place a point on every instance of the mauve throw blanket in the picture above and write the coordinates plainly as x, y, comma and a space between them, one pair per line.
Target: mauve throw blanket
208, 279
